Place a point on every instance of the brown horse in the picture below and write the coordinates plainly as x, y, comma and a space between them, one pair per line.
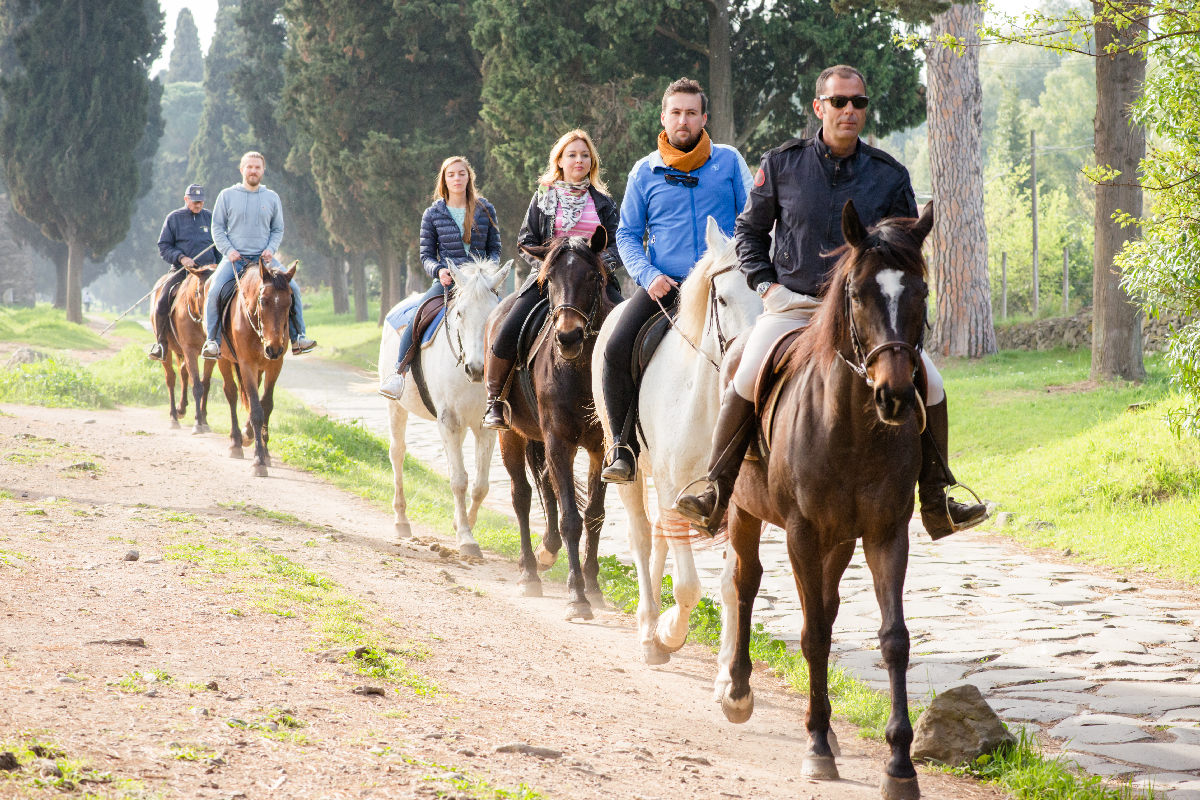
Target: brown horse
845, 453
185, 337
254, 330
562, 420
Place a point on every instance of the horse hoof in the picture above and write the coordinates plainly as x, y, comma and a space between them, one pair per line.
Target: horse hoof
201, 429
578, 610
668, 648
597, 600
545, 559
260, 470
470, 550
654, 656
737, 711
531, 589
899, 788
402, 530
820, 768
175, 424
236, 452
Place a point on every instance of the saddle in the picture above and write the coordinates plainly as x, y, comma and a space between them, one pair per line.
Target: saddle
533, 330
648, 338
428, 314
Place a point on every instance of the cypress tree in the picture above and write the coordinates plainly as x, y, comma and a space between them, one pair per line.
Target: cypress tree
77, 116
213, 159
187, 62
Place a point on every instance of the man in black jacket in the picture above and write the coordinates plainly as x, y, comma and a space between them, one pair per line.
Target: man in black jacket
186, 241
799, 191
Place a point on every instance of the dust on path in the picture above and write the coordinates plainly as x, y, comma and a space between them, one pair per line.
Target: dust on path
507, 669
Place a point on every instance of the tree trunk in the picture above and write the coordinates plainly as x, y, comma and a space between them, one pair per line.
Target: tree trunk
337, 285
416, 273
963, 323
75, 255
358, 278
387, 273
720, 74
60, 281
1116, 321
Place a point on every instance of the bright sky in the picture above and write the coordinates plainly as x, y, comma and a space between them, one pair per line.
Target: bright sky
205, 14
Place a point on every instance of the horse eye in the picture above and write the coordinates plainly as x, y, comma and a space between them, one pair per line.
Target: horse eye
722, 301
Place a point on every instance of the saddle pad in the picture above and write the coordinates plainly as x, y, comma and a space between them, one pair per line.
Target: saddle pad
401, 316
647, 341
531, 331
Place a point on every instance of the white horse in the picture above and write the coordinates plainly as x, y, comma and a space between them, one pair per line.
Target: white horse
679, 397
453, 368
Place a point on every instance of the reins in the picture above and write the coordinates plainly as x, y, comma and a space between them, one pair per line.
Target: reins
722, 342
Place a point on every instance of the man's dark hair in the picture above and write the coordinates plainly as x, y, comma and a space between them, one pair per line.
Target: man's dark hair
842, 71
686, 86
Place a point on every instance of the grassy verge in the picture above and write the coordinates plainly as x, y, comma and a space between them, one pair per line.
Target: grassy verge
1083, 468
341, 337
44, 766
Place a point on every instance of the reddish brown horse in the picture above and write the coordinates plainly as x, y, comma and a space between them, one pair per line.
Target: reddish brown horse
562, 419
185, 337
254, 331
844, 457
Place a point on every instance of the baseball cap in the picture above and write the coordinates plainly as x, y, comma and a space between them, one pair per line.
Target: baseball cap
195, 192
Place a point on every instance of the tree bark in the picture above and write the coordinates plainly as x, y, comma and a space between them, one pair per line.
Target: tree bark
75, 255
1116, 320
386, 271
358, 278
60, 282
720, 74
416, 274
963, 322
337, 285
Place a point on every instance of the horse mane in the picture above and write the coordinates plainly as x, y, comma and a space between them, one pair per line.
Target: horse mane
693, 294
888, 246
567, 244
475, 266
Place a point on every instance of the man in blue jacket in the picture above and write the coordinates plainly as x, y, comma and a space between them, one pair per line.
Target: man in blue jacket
247, 224
185, 241
668, 198
799, 192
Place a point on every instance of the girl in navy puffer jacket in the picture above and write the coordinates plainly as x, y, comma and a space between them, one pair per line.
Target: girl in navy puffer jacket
449, 235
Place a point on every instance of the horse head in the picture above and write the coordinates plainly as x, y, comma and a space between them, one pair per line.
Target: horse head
715, 302
574, 279
882, 282
476, 285
269, 305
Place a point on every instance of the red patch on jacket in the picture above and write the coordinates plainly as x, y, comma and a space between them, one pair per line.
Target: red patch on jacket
760, 178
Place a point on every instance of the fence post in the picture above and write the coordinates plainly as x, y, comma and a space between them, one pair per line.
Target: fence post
1034, 214
1066, 283
1003, 285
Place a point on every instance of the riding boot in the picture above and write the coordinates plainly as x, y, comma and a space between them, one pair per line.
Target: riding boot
621, 457
731, 437
497, 416
158, 351
941, 515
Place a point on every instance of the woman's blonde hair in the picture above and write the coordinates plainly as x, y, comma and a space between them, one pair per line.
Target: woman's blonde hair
554, 172
441, 192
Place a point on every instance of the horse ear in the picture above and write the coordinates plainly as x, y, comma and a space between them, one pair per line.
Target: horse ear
924, 223
497, 279
713, 237
264, 270
538, 251
599, 239
852, 228
291, 270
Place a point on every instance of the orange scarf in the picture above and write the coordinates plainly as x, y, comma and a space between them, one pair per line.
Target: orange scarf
675, 158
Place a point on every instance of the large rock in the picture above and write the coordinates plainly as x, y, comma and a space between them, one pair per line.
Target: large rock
958, 727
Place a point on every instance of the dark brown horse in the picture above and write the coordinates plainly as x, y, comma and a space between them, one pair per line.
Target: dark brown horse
185, 337
254, 331
844, 457
562, 420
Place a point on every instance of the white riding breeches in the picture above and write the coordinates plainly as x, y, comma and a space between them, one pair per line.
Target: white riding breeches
783, 311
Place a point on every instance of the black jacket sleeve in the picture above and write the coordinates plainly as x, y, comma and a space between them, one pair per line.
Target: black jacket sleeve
530, 234
166, 243
752, 232
429, 245
610, 218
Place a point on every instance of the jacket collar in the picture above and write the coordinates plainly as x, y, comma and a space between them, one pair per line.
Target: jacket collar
824, 152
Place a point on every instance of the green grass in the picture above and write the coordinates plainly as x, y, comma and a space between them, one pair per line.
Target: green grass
1114, 484
77, 776
46, 327
127, 378
341, 338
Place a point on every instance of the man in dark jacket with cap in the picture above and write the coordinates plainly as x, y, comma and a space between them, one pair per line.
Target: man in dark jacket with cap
186, 241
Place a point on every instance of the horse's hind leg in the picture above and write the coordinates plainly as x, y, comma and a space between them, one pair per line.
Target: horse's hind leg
169, 373
397, 426
593, 521
512, 453
737, 702
231, 396
633, 497
185, 376
673, 626
485, 445
551, 543
453, 434
888, 560
560, 457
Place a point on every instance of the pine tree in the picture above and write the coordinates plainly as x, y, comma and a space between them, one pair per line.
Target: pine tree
70, 160
187, 62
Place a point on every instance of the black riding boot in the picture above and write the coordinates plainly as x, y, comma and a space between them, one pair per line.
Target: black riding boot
941, 515
731, 437
623, 466
158, 350
497, 416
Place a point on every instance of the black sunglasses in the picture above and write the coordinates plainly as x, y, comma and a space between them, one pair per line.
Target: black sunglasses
839, 100
675, 179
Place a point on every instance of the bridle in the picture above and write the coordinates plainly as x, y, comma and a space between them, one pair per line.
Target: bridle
460, 357
255, 325
861, 362
589, 318
712, 318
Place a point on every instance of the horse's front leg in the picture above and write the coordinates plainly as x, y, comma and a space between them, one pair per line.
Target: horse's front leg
633, 497
512, 453
199, 390
888, 560
231, 396
453, 433
559, 457
674, 624
271, 375
397, 425
745, 530
593, 521
185, 376
551, 543
250, 377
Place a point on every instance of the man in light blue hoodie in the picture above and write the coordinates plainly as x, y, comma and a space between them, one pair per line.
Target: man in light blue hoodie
247, 224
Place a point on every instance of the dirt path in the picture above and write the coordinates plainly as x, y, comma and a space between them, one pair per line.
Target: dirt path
243, 706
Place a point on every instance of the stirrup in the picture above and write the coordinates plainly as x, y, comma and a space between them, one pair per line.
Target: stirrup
956, 527
699, 523
610, 459
505, 415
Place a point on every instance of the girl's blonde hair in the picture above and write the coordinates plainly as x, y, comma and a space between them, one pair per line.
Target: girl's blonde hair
440, 192
554, 172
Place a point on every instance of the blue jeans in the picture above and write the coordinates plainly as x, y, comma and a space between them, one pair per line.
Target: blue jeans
406, 335
224, 275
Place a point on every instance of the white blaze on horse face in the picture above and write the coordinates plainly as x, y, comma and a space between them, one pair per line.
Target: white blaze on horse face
891, 283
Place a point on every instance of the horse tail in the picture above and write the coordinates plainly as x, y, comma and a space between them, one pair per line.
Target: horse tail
535, 458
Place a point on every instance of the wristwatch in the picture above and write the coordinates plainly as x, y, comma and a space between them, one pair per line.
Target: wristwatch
762, 288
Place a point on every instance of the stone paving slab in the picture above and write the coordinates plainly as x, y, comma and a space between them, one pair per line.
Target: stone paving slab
1053, 635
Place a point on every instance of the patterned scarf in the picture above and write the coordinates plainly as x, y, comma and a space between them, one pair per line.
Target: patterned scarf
675, 158
570, 197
